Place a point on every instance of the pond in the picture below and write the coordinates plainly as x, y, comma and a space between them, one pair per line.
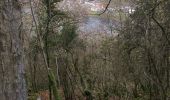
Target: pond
97, 24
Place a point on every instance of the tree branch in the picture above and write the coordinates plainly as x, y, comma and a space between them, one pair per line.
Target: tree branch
106, 7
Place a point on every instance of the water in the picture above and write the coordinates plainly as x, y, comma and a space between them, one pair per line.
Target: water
96, 24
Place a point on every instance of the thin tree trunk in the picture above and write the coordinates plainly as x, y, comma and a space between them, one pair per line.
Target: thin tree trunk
58, 77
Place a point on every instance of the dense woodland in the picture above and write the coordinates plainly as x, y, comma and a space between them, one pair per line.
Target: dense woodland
45, 56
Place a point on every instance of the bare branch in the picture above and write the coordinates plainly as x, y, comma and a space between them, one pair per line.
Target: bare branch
106, 7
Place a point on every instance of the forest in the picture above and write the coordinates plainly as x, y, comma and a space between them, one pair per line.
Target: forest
84, 49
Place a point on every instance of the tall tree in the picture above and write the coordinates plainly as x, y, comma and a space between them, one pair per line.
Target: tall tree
12, 85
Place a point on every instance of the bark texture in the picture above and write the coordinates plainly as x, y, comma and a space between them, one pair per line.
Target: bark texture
12, 83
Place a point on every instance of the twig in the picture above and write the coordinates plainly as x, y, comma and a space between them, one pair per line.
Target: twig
105, 8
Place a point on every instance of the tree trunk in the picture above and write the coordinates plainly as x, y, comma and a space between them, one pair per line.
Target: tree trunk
12, 83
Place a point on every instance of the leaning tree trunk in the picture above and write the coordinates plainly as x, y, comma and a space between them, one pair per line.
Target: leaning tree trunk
12, 83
